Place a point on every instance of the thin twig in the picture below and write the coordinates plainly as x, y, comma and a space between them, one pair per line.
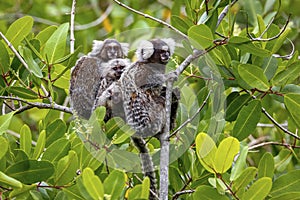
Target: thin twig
279, 125
177, 194
289, 146
39, 105
72, 22
224, 13
193, 117
95, 22
15, 51
17, 135
152, 18
271, 38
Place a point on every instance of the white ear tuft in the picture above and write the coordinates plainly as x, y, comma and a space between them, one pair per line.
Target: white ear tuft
125, 48
97, 46
171, 43
144, 50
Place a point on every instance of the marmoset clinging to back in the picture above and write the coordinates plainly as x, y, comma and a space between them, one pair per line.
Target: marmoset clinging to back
88, 71
109, 93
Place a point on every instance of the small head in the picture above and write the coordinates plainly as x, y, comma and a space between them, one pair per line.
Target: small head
156, 50
109, 49
116, 68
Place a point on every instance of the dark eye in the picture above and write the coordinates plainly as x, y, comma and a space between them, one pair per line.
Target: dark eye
115, 68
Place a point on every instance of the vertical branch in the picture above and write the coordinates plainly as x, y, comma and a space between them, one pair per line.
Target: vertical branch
164, 140
72, 25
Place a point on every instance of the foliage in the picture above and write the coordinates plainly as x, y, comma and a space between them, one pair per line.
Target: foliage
47, 154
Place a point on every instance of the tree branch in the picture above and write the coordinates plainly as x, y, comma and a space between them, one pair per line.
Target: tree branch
152, 18
37, 105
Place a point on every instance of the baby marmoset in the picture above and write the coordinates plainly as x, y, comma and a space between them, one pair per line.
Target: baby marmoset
88, 71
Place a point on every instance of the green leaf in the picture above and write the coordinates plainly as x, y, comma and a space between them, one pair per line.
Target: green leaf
45, 34
201, 36
243, 180
55, 131
22, 193
31, 171
270, 66
92, 184
208, 193
66, 169
40, 145
73, 192
259, 190
145, 188
225, 153
18, 30
57, 150
266, 166
240, 164
279, 42
282, 160
254, 76
246, 45
235, 106
135, 193
25, 139
114, 184
5, 121
286, 183
4, 146
9, 181
247, 120
206, 150
32, 65
22, 92
288, 75
56, 44
292, 103
180, 24
287, 196
4, 59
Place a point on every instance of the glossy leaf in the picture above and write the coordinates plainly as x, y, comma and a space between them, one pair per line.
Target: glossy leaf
9, 181
57, 150
259, 190
266, 166
292, 103
56, 44
180, 24
287, 196
246, 45
282, 160
282, 38
135, 192
235, 106
253, 76
270, 66
243, 180
22, 92
4, 59
25, 139
45, 34
4, 146
66, 169
247, 120
288, 75
32, 65
225, 153
55, 131
18, 30
73, 192
200, 36
5, 121
114, 184
31, 171
40, 145
22, 193
240, 164
286, 183
206, 150
92, 184
145, 188
208, 193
